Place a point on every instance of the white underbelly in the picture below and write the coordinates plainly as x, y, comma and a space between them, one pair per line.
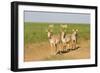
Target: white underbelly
54, 41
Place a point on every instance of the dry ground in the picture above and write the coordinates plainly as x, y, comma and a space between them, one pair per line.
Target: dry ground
42, 51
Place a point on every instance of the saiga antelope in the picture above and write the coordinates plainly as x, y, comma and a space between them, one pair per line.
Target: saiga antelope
74, 38
53, 39
66, 40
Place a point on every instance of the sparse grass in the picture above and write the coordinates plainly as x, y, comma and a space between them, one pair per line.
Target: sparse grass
37, 47
36, 32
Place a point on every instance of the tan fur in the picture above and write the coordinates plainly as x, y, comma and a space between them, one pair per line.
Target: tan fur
74, 38
66, 40
54, 40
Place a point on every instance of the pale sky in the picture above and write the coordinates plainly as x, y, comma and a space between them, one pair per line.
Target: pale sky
53, 17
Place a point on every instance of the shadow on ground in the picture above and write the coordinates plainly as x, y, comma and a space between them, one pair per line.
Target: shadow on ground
67, 51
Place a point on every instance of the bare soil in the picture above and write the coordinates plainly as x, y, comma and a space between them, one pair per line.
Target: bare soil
43, 51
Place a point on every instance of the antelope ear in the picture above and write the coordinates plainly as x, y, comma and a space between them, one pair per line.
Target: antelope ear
77, 30
73, 30
51, 25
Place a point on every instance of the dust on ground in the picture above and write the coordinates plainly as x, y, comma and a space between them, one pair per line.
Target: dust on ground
43, 51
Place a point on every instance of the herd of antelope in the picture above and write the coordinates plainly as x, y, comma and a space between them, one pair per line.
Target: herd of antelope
67, 40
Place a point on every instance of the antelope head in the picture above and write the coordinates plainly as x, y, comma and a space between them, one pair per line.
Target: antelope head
75, 31
50, 32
